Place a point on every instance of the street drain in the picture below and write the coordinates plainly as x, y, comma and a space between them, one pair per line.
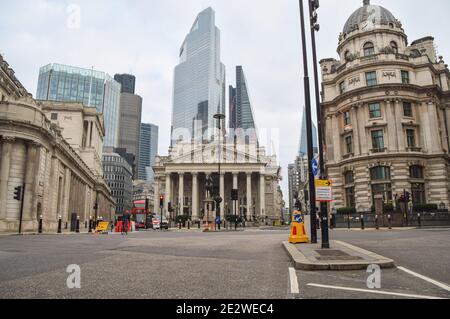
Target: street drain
335, 255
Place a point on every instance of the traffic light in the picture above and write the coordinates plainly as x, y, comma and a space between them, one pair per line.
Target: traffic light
408, 197
161, 201
170, 209
18, 193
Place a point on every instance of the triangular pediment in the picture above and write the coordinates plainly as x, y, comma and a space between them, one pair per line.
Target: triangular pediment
209, 154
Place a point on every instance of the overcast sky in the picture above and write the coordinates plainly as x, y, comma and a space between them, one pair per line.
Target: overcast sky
143, 37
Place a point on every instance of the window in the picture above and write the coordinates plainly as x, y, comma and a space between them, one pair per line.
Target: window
349, 178
411, 138
407, 109
347, 118
378, 140
416, 172
350, 197
54, 116
371, 78
347, 56
394, 47
381, 182
342, 87
374, 110
405, 77
369, 49
349, 144
418, 193
349, 189
380, 173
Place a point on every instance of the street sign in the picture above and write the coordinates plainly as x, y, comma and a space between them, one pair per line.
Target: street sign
315, 167
323, 183
324, 194
298, 218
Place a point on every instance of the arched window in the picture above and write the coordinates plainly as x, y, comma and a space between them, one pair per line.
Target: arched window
347, 56
369, 49
394, 47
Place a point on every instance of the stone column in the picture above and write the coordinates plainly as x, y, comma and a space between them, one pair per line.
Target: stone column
168, 195
181, 193
88, 137
262, 195
356, 136
391, 117
436, 142
400, 136
222, 195
195, 198
31, 175
235, 186
7, 143
447, 117
249, 196
336, 138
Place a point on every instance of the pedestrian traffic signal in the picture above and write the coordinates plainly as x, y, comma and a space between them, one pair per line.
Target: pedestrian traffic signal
18, 193
408, 197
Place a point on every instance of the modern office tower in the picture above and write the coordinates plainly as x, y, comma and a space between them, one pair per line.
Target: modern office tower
147, 151
118, 176
303, 148
130, 118
97, 89
241, 112
128, 82
199, 83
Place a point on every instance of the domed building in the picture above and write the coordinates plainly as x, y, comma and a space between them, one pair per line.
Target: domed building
386, 108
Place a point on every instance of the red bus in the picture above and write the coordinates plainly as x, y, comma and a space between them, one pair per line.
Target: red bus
139, 214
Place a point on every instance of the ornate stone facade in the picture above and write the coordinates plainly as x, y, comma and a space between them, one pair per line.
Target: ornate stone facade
386, 106
181, 177
34, 153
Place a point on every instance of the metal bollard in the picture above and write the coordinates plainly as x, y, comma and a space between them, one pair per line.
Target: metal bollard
40, 225
198, 223
66, 226
376, 222
389, 221
362, 222
85, 224
419, 220
179, 226
90, 224
77, 230
189, 225
59, 225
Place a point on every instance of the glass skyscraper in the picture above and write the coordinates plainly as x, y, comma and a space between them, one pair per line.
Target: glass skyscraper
240, 108
148, 149
97, 89
199, 82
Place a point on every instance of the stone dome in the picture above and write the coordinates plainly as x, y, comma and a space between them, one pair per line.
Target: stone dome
374, 15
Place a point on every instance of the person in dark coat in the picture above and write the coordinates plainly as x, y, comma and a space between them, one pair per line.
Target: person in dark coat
126, 221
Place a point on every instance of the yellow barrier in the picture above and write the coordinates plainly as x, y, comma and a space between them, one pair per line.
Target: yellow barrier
102, 227
298, 232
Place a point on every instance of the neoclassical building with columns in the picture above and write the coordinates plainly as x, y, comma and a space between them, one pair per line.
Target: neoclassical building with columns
386, 107
54, 149
181, 178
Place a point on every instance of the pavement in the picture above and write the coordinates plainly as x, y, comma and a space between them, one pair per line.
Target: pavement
341, 256
250, 264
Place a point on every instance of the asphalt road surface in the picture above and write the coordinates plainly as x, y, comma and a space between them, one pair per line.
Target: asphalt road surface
231, 265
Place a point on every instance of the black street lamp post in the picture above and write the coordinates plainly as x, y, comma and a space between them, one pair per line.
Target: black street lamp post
219, 117
312, 186
313, 6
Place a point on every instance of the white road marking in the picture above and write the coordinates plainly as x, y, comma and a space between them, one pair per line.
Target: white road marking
432, 281
379, 292
294, 282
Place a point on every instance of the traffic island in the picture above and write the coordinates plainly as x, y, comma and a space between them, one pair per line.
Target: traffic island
340, 257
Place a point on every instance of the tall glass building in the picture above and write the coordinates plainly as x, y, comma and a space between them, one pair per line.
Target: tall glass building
199, 81
148, 149
240, 108
97, 89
